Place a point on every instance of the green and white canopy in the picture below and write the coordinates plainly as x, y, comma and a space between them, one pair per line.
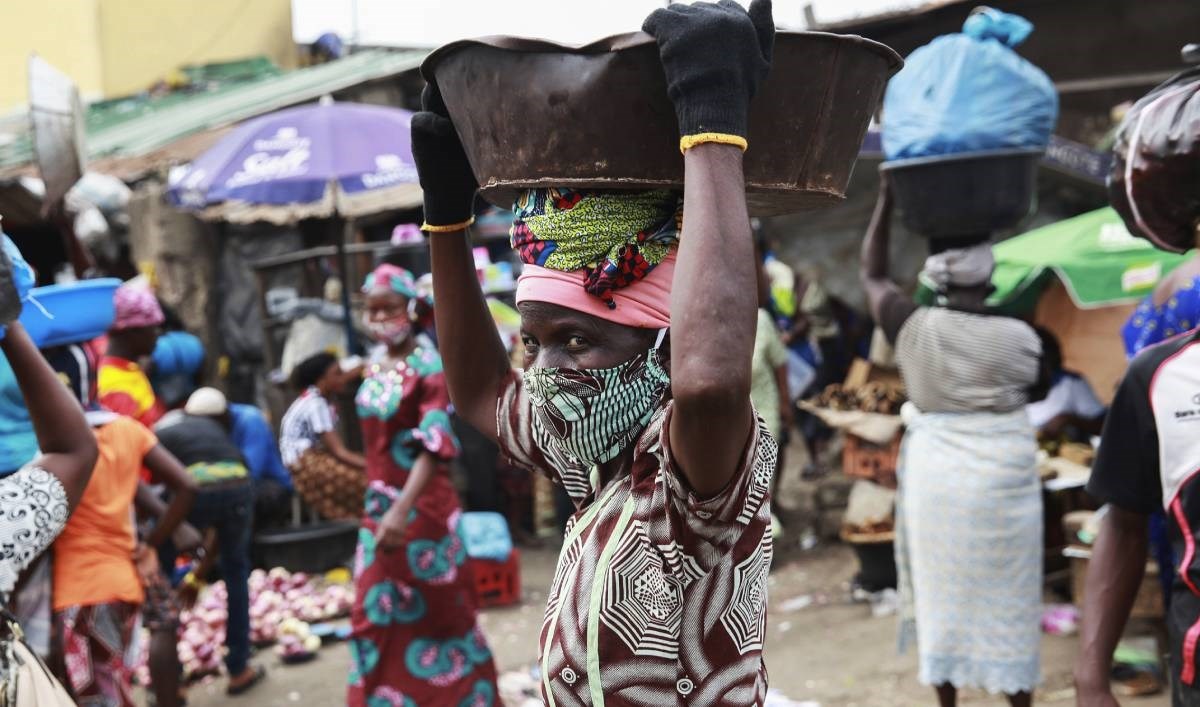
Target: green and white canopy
1094, 256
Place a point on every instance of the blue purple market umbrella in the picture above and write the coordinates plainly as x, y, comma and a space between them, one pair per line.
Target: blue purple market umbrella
313, 161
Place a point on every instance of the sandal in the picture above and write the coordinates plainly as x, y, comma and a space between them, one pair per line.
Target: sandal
235, 690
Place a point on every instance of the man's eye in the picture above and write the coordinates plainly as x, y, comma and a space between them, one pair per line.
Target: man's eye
576, 342
529, 342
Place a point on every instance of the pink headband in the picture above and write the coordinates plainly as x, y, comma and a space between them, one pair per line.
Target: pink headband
645, 304
136, 307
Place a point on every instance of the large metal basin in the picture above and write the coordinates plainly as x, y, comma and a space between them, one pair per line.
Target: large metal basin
533, 113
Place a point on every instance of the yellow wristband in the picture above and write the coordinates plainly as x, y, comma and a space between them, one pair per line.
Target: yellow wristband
687, 142
452, 228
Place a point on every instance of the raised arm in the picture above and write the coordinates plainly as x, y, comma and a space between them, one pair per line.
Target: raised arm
714, 57
67, 443
873, 268
713, 314
475, 361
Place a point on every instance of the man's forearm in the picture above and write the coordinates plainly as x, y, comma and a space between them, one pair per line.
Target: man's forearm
1114, 574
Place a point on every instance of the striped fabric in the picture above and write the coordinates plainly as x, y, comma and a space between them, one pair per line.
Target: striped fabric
587, 416
960, 362
309, 417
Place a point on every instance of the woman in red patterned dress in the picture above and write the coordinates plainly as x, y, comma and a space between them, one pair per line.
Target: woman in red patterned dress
416, 640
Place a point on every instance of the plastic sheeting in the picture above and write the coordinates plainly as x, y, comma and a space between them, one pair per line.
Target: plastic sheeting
1155, 179
969, 92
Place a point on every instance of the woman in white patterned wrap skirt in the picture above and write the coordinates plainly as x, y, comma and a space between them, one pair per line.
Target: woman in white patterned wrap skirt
969, 507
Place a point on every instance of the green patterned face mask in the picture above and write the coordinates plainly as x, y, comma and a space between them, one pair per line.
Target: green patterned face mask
591, 414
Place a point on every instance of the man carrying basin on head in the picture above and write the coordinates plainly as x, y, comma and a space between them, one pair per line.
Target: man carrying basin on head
638, 316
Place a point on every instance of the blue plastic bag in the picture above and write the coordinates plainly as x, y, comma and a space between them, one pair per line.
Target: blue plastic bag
485, 536
968, 92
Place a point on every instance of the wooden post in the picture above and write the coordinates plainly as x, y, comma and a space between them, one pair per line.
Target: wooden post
340, 229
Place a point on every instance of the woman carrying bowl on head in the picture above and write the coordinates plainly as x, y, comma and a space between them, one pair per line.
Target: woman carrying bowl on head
635, 397
969, 507
416, 639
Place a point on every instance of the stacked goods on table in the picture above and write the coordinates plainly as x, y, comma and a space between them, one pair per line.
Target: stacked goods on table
964, 124
866, 408
1154, 182
283, 608
876, 397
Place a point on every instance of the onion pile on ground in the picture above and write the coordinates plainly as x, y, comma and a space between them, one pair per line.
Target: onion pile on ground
282, 605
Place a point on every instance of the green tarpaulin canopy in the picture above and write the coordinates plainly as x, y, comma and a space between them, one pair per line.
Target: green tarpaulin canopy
1093, 255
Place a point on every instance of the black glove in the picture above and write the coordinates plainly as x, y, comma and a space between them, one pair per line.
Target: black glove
445, 174
714, 57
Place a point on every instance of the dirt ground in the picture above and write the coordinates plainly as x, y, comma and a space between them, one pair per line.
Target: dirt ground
832, 652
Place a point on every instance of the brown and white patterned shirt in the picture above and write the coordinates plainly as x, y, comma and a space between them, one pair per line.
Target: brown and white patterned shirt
659, 597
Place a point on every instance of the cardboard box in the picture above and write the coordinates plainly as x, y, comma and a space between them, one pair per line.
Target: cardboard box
863, 372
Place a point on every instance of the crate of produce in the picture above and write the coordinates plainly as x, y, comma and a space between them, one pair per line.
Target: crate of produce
497, 583
874, 462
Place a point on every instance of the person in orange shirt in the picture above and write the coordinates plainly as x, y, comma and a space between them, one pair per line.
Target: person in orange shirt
102, 573
123, 386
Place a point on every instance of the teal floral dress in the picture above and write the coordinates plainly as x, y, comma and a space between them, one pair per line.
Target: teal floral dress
416, 640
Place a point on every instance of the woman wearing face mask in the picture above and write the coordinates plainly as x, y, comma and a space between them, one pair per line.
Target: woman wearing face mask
416, 639
660, 592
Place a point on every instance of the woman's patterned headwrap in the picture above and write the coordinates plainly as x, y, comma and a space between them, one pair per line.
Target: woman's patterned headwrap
136, 307
615, 238
391, 277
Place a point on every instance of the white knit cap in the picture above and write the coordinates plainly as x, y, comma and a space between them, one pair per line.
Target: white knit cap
207, 402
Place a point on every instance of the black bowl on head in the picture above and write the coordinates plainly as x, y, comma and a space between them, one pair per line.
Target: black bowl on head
962, 196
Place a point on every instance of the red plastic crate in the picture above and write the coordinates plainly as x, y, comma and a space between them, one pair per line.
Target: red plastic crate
874, 462
497, 583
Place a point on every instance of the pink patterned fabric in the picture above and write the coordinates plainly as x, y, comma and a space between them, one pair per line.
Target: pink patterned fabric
391, 277
645, 304
136, 307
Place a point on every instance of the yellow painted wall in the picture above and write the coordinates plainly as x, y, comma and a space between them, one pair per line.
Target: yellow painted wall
113, 48
141, 41
63, 32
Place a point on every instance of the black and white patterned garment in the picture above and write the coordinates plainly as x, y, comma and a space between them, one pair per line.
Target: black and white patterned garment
33, 510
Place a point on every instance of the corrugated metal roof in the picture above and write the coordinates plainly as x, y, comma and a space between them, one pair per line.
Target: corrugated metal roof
149, 130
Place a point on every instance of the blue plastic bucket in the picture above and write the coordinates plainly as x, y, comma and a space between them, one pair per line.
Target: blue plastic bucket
69, 314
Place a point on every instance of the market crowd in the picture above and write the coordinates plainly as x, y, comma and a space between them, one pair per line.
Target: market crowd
664, 345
